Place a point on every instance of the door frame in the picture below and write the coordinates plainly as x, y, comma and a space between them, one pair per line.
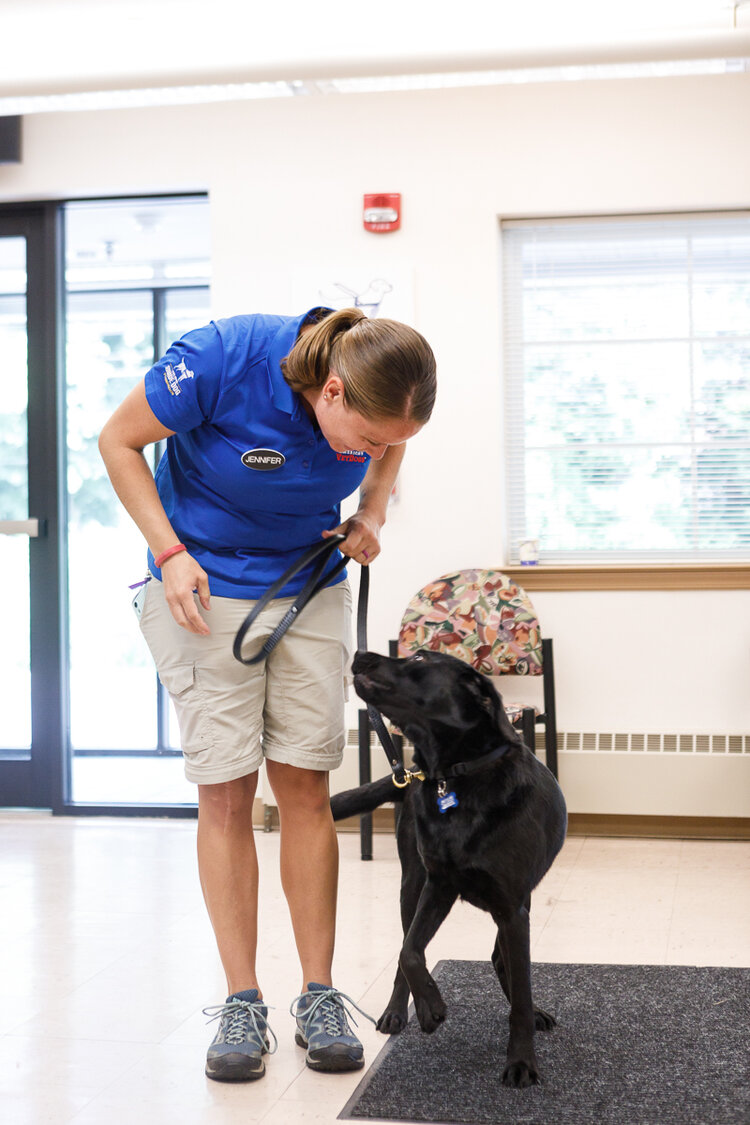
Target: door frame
42, 780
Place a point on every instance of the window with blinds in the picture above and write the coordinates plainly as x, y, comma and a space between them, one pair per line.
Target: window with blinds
627, 369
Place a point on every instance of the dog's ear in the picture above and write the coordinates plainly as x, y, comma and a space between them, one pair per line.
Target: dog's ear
484, 694
488, 698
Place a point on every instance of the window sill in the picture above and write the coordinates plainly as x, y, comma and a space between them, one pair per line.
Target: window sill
681, 576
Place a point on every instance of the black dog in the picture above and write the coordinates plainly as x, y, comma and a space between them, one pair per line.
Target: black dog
485, 824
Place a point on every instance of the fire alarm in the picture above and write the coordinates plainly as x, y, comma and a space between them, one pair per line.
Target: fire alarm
382, 212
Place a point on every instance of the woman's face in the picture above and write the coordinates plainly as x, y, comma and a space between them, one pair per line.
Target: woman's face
344, 429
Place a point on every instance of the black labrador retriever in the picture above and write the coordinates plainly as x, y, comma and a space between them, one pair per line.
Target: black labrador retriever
484, 824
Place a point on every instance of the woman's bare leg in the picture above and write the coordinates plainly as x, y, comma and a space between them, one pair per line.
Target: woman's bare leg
228, 866
309, 864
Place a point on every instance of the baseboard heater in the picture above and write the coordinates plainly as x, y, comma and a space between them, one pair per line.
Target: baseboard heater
637, 742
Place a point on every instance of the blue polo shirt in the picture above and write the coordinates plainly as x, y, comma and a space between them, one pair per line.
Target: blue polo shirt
248, 481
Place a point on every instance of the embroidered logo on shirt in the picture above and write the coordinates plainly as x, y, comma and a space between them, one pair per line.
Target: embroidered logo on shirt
173, 380
352, 455
263, 459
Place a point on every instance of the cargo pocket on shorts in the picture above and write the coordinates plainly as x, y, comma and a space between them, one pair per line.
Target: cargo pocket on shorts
183, 686
178, 679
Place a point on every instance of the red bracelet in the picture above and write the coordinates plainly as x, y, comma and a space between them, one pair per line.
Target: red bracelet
162, 558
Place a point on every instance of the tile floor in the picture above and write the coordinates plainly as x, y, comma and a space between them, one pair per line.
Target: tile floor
107, 958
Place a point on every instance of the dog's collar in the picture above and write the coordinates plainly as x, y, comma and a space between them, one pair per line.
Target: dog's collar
462, 768
459, 770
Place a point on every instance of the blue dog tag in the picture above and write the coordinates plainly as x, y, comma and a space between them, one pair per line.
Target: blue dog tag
447, 801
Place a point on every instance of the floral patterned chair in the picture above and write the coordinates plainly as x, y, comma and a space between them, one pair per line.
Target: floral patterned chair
486, 619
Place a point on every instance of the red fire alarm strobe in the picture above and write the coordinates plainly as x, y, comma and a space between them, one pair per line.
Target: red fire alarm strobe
382, 212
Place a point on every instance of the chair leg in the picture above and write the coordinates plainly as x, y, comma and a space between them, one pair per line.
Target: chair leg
550, 714
365, 821
527, 728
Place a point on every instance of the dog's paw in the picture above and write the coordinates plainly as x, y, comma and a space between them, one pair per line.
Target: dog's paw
392, 1022
431, 1012
543, 1021
520, 1074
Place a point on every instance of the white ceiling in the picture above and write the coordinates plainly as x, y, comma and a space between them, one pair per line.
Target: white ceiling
62, 46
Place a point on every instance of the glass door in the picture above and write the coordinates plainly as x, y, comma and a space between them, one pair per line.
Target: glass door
90, 293
16, 527
31, 759
136, 279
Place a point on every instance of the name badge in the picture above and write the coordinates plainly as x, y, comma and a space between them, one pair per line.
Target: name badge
263, 459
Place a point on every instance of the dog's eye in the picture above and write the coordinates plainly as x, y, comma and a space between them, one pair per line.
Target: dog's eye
418, 656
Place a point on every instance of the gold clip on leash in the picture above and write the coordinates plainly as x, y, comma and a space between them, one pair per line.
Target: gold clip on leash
409, 776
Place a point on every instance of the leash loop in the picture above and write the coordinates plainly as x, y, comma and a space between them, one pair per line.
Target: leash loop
315, 582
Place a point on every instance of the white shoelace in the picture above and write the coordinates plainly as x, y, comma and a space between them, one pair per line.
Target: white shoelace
241, 1014
334, 1009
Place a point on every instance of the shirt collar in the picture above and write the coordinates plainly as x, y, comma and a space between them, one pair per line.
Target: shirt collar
282, 395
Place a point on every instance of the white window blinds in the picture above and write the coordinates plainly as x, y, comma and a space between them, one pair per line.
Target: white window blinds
627, 368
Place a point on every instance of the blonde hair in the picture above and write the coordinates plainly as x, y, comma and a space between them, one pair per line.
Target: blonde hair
387, 368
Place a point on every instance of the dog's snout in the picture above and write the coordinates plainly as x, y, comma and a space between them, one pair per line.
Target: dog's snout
364, 661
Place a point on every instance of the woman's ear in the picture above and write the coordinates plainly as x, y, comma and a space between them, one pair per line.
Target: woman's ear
333, 387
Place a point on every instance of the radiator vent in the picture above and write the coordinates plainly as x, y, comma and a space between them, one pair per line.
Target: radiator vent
622, 743
606, 742
603, 742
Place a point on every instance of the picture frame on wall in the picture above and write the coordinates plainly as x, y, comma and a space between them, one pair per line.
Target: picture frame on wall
379, 289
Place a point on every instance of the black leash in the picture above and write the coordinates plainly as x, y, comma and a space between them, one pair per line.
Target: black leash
394, 756
314, 584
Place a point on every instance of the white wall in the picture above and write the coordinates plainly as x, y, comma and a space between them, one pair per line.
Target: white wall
286, 180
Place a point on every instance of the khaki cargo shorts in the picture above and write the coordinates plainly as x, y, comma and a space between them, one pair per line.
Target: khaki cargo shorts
289, 707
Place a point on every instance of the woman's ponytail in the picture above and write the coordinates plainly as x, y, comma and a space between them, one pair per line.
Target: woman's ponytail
309, 362
387, 369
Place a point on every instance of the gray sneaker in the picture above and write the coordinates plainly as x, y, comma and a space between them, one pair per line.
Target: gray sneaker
236, 1054
323, 1029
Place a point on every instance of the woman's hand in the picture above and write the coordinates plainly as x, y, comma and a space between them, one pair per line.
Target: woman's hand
362, 530
362, 541
181, 575
121, 442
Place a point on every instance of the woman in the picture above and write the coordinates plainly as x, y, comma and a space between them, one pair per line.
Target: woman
270, 422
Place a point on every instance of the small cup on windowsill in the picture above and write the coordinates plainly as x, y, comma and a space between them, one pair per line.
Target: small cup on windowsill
528, 552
